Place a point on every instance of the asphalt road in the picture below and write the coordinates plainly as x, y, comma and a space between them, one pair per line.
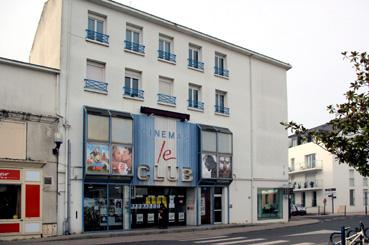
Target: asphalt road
300, 235
317, 233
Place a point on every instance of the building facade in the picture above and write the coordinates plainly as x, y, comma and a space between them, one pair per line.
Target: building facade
28, 167
157, 113
314, 172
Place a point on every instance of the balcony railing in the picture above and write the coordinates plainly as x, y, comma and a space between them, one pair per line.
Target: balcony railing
134, 47
312, 184
196, 104
167, 56
221, 109
97, 36
168, 99
221, 71
96, 85
131, 92
305, 167
196, 64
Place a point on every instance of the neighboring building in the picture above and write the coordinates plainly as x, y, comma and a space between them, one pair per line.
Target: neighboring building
28, 167
313, 171
157, 113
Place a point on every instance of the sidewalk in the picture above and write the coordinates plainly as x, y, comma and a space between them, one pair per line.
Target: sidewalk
152, 231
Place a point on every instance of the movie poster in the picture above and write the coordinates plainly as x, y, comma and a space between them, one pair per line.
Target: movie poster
97, 158
121, 159
225, 167
209, 166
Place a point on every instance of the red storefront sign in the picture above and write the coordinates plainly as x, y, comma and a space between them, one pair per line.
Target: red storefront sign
9, 174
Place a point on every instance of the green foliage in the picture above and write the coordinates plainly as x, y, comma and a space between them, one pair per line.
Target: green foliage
348, 134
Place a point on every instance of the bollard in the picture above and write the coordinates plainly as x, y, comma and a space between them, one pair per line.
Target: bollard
343, 235
318, 210
345, 211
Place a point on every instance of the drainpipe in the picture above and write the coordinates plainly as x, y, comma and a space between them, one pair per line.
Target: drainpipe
251, 142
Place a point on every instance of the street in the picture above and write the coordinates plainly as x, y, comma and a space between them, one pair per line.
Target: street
317, 233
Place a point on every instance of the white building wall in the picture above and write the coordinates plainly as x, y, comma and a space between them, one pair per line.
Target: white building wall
256, 108
332, 175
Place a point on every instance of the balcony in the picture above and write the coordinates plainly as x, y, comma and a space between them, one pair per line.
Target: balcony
307, 185
196, 64
305, 168
134, 93
135, 47
166, 99
222, 110
96, 36
221, 72
195, 104
96, 86
167, 56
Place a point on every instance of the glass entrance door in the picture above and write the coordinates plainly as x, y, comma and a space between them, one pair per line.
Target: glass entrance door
217, 205
115, 218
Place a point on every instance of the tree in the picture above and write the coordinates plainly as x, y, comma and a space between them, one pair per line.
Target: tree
348, 134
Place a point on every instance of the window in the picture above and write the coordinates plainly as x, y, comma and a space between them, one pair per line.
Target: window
95, 77
134, 39
303, 199
109, 143
352, 197
10, 205
365, 197
96, 28
220, 65
132, 84
165, 48
310, 161
351, 177
292, 164
365, 181
270, 203
313, 200
216, 152
220, 102
194, 95
194, 57
165, 94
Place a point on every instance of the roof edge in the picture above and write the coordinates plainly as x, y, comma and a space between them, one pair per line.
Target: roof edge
28, 65
172, 25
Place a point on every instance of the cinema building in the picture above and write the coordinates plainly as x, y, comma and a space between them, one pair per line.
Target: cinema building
156, 113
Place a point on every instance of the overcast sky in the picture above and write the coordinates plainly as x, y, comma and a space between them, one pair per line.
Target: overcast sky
308, 34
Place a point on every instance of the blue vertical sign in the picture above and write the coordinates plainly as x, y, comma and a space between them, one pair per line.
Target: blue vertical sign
165, 152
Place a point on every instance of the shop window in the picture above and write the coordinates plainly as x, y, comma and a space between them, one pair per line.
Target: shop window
98, 128
216, 147
95, 207
109, 144
10, 204
270, 203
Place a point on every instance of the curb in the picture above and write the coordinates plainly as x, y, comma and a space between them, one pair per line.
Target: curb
249, 228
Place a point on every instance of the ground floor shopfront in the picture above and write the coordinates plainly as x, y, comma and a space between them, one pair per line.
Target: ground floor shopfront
122, 207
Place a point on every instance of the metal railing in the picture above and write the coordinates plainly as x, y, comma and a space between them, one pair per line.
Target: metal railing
307, 184
167, 99
97, 36
131, 92
222, 109
196, 104
221, 71
306, 166
195, 64
167, 56
96, 85
134, 47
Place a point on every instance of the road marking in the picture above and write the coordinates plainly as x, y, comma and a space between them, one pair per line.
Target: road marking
313, 233
241, 241
303, 243
223, 239
269, 243
199, 239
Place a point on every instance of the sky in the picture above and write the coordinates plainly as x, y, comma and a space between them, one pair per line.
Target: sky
308, 34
